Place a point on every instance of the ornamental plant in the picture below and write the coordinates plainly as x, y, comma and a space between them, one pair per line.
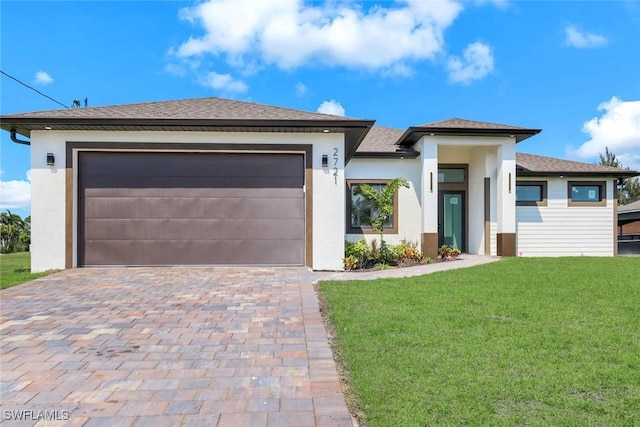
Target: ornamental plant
382, 208
447, 253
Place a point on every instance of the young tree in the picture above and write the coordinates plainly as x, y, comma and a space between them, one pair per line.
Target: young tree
382, 207
629, 189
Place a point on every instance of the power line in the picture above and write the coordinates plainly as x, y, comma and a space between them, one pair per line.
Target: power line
33, 89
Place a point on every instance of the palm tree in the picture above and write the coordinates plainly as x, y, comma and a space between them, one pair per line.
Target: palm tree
14, 232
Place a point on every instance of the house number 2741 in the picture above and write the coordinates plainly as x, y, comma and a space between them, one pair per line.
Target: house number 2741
335, 165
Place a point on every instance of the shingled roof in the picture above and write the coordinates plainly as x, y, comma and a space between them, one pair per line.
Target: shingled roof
456, 123
629, 207
199, 114
463, 127
185, 109
380, 142
531, 164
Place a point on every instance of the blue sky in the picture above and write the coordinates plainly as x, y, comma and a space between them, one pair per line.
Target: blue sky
570, 68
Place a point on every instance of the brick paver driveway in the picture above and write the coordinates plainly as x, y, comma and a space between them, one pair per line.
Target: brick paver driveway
168, 346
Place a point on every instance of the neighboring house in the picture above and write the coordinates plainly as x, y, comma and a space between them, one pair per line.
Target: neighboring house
629, 228
213, 181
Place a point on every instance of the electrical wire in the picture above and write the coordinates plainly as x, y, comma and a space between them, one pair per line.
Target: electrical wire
33, 89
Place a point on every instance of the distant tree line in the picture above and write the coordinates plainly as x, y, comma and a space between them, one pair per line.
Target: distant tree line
15, 233
629, 189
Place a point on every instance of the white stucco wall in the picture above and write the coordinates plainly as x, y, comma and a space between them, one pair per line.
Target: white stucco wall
561, 230
481, 156
477, 173
48, 187
409, 211
429, 179
48, 231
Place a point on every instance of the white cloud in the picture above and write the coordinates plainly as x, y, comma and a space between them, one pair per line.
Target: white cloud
294, 33
618, 128
43, 78
331, 107
476, 64
223, 82
581, 40
16, 194
500, 4
301, 89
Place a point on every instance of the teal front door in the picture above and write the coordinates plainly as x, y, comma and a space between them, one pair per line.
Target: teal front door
451, 219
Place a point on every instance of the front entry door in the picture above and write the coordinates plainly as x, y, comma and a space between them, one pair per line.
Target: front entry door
452, 219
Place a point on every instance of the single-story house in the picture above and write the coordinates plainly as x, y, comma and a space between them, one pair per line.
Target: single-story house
216, 182
629, 228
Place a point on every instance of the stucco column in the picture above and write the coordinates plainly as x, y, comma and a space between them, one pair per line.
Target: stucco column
506, 197
429, 196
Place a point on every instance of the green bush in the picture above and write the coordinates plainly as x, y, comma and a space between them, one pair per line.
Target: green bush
447, 253
360, 251
408, 253
359, 254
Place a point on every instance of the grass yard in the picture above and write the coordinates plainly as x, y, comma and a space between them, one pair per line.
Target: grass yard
16, 269
518, 342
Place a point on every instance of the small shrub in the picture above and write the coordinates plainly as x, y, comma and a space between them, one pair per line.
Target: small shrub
408, 253
361, 251
447, 253
388, 253
350, 263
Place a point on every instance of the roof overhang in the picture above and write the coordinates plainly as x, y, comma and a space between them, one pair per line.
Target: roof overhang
582, 174
354, 130
400, 153
627, 217
413, 134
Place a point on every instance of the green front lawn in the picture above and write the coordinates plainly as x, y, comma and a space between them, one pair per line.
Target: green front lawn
16, 269
518, 342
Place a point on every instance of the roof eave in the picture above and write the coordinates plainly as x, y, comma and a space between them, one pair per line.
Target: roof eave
386, 155
413, 134
29, 124
620, 174
354, 129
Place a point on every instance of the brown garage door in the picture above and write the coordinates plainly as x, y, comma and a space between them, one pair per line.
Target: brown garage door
190, 208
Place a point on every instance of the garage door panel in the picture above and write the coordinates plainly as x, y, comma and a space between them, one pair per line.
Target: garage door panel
192, 193
190, 208
193, 208
195, 229
188, 165
114, 252
186, 182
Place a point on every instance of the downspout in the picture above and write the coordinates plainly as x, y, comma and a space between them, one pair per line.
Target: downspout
15, 139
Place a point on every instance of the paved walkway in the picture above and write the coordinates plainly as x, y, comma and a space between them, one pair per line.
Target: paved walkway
172, 346
463, 262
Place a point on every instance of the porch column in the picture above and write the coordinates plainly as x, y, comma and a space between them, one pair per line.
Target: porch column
506, 195
429, 196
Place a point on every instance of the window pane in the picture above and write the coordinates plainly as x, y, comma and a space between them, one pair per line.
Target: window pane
528, 193
585, 193
451, 175
362, 209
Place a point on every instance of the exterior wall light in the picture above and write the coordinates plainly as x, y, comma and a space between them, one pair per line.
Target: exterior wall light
51, 159
325, 161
